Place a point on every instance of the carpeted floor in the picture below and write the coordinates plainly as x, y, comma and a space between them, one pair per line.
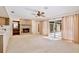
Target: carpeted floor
39, 44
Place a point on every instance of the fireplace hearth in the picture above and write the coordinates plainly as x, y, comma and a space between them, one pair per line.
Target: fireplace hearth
26, 30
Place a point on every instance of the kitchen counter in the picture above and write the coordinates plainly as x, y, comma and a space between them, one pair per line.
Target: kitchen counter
5, 35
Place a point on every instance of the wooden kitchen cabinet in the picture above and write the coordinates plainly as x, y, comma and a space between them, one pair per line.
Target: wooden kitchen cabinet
4, 21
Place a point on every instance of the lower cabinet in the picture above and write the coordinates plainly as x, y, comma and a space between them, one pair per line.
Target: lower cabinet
1, 43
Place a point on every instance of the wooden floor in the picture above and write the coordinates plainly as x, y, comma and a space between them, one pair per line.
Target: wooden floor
39, 44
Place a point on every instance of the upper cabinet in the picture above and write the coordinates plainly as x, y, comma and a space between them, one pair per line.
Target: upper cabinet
4, 21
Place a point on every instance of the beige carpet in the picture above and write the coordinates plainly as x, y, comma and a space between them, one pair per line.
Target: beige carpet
39, 44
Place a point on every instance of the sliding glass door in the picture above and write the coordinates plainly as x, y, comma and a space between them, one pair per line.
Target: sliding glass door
55, 28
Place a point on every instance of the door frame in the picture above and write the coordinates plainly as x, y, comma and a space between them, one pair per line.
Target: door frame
18, 29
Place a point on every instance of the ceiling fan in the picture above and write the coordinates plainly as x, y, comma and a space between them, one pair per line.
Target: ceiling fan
37, 13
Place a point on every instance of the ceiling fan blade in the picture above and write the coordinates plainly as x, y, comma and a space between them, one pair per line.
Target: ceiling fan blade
42, 15
37, 12
42, 12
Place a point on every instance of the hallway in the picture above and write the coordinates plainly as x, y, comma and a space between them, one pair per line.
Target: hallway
39, 44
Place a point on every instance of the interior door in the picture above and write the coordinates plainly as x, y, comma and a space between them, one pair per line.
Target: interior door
40, 25
16, 28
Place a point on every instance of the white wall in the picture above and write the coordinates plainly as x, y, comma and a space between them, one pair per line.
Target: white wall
34, 27
3, 12
45, 27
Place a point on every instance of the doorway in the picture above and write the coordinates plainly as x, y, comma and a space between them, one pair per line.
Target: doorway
40, 27
56, 29
16, 27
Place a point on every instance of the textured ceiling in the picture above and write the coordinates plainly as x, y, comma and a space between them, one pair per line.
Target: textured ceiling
27, 12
